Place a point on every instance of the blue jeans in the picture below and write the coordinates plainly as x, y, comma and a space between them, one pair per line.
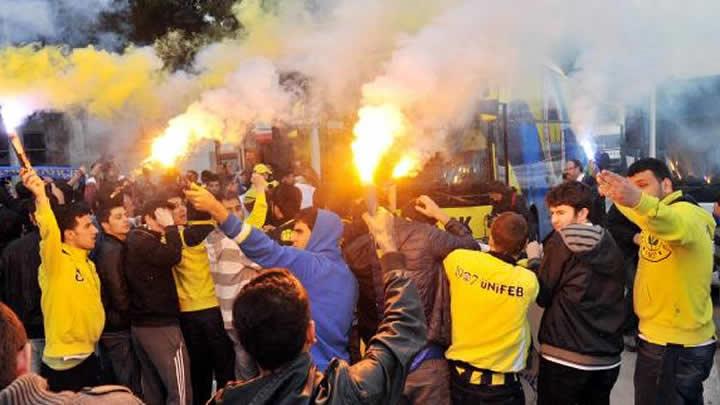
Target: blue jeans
671, 374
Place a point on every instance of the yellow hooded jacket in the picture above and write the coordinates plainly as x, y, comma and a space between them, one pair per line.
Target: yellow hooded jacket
72, 309
672, 286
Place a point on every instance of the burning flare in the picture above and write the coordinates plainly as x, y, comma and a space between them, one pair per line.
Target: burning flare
14, 113
406, 167
375, 132
182, 133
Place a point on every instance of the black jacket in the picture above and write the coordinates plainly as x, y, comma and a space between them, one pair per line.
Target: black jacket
425, 246
623, 231
110, 266
19, 286
149, 269
582, 284
378, 378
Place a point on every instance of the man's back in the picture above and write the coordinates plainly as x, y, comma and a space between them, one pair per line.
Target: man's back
377, 379
495, 335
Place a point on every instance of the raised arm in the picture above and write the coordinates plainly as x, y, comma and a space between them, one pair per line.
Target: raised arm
50, 238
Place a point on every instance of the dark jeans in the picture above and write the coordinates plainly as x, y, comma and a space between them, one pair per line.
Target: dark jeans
118, 351
672, 374
85, 374
559, 385
429, 384
210, 350
464, 393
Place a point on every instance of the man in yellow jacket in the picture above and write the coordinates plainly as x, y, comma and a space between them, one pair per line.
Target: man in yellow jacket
489, 300
73, 314
677, 339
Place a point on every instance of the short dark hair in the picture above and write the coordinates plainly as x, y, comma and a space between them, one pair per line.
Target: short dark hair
104, 211
271, 315
509, 231
148, 209
211, 177
658, 168
307, 216
288, 198
68, 214
572, 193
13, 338
576, 163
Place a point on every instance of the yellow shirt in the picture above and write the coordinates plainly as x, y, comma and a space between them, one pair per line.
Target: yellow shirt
672, 286
194, 283
489, 301
73, 314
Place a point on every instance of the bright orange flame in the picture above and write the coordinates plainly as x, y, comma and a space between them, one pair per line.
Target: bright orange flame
169, 147
407, 166
375, 132
182, 133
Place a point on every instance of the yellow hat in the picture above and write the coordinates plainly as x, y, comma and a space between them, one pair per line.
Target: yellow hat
261, 168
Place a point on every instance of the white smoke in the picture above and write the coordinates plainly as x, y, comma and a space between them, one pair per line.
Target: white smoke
55, 21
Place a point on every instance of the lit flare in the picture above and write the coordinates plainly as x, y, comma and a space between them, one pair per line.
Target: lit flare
375, 132
406, 167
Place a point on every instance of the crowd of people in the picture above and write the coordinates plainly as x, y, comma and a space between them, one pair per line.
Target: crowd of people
237, 289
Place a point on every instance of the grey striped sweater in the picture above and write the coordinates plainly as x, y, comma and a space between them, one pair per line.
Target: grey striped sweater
230, 270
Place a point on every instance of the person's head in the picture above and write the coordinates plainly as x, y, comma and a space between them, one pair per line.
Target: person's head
271, 315
573, 170
509, 234
149, 210
15, 353
232, 203
286, 201
113, 219
204, 175
176, 202
652, 176
569, 203
303, 227
212, 183
76, 225
192, 176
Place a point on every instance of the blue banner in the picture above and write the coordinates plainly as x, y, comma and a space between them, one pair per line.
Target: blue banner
56, 172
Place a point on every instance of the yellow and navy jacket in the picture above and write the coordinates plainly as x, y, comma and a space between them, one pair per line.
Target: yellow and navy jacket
72, 308
195, 286
672, 286
489, 300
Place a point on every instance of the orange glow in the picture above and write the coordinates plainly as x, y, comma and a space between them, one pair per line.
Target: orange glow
375, 132
406, 167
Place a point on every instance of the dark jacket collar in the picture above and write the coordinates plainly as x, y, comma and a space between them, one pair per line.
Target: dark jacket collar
292, 384
504, 257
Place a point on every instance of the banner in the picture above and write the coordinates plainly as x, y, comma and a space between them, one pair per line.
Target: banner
56, 172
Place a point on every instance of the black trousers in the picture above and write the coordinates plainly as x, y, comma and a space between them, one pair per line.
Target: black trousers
559, 385
85, 374
210, 350
462, 392
671, 374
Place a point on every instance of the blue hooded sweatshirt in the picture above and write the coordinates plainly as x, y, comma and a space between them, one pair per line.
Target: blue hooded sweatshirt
331, 286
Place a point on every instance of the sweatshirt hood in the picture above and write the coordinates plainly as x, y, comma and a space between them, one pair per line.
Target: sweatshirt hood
326, 234
592, 243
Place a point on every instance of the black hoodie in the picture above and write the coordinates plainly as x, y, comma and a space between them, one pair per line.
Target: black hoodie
582, 287
149, 269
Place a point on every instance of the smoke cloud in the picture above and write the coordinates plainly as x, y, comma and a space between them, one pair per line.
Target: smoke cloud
432, 60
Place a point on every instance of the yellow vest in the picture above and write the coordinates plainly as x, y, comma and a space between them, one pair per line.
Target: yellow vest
73, 314
672, 285
195, 287
489, 301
